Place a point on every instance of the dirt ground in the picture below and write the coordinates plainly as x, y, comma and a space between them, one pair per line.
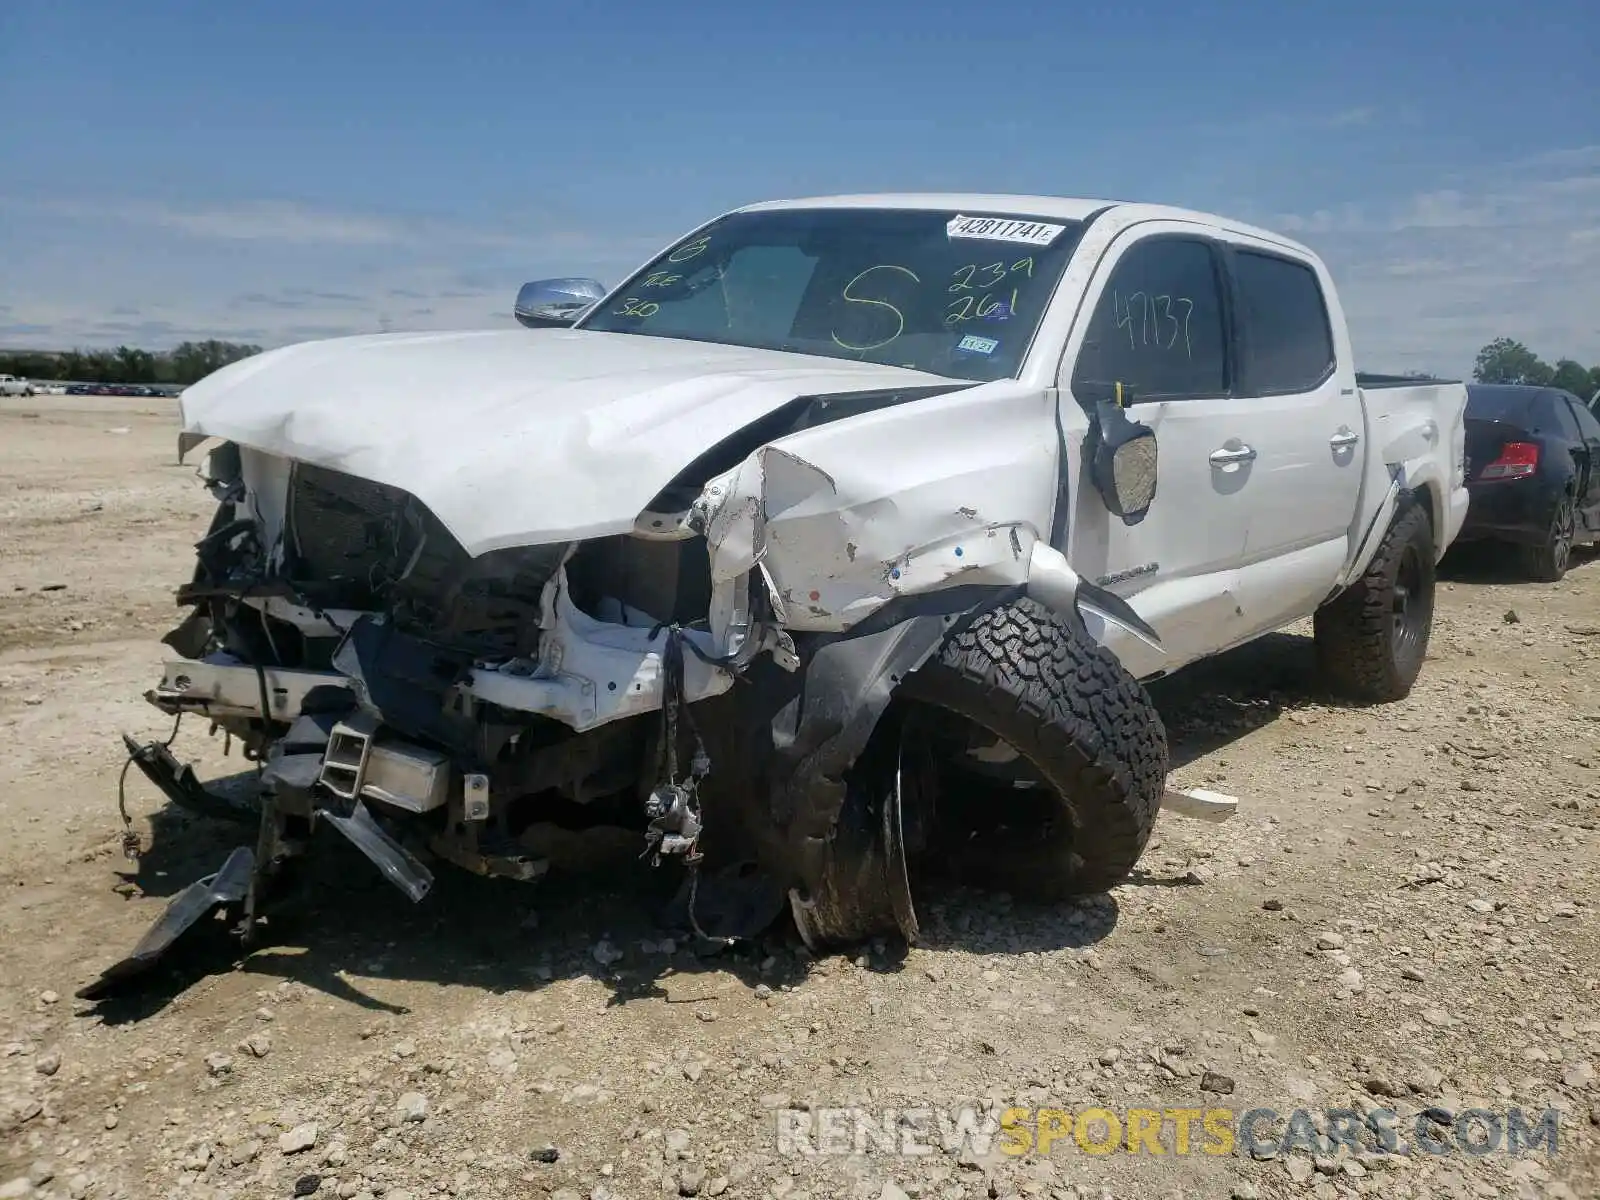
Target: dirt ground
1403, 915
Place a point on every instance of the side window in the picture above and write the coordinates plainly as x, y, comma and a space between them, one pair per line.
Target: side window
1566, 419
1157, 327
1588, 425
1287, 346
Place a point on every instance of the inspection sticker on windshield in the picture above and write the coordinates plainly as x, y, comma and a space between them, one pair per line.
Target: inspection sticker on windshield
1004, 229
978, 345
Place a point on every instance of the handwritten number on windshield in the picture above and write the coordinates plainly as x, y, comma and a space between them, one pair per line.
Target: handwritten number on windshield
974, 277
635, 307
900, 319
1154, 320
975, 307
689, 250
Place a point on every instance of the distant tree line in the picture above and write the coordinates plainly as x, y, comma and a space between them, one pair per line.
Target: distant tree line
1506, 360
185, 363
1503, 360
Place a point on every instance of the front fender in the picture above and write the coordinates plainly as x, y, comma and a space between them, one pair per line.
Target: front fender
839, 525
843, 518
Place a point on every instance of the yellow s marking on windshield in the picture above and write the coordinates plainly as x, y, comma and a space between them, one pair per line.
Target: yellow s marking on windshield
689, 250
899, 317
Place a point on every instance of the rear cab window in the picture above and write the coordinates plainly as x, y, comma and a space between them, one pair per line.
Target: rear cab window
1285, 335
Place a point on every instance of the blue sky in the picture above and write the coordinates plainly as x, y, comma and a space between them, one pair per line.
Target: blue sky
275, 172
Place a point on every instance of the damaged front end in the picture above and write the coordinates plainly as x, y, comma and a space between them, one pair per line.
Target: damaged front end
716, 678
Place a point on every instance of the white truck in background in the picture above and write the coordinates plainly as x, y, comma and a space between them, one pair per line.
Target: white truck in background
834, 542
15, 385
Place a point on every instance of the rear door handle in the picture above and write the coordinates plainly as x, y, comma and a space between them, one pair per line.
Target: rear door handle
1344, 439
1228, 455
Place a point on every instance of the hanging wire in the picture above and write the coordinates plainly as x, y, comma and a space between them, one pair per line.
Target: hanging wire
130, 839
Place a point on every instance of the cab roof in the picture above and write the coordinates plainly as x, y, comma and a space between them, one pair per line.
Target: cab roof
1065, 208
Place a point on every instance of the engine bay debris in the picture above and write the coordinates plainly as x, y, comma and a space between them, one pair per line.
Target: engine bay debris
727, 677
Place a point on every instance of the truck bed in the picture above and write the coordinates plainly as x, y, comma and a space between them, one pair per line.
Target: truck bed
1418, 427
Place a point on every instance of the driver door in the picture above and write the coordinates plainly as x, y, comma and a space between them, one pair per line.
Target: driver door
1157, 324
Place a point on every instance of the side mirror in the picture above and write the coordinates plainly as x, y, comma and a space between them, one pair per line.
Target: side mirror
1122, 462
555, 303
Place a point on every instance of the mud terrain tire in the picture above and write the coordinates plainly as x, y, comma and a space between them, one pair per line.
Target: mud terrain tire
1372, 638
1087, 729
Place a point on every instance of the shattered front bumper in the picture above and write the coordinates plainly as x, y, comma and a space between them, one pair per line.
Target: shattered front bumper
221, 687
589, 673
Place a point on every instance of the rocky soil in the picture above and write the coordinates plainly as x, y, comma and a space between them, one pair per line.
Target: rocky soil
1403, 916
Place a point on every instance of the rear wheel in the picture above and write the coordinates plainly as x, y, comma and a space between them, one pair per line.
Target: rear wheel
1547, 561
1372, 638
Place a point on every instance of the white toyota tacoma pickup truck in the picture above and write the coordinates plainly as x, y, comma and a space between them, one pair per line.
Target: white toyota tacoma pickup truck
833, 544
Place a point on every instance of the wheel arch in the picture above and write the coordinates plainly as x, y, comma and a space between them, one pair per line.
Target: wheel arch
1430, 498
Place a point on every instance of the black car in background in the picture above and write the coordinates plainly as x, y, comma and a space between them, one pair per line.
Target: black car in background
1533, 470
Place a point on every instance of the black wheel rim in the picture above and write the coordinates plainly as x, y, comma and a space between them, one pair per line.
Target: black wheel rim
986, 811
1561, 534
1410, 604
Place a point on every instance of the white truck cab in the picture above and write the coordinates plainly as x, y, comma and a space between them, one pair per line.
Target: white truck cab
1278, 466
834, 542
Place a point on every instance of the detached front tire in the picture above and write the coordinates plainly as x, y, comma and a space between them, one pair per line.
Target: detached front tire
1372, 638
1090, 754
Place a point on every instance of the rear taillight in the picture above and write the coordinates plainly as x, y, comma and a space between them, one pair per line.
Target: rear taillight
1517, 460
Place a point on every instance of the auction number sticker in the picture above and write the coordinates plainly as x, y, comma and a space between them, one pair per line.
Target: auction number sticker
1004, 229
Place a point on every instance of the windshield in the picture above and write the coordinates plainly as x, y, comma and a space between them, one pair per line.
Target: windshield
948, 293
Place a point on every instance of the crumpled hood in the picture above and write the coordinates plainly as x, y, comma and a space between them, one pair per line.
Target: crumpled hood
515, 437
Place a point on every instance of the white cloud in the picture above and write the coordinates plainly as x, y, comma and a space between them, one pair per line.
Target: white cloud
1428, 279
268, 222
95, 272
1352, 116
1289, 122
1568, 158
293, 223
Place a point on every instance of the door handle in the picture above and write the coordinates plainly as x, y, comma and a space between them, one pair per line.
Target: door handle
1229, 455
1344, 439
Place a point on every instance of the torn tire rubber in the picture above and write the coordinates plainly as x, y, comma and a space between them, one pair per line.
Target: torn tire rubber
1087, 731
1371, 639
1547, 561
